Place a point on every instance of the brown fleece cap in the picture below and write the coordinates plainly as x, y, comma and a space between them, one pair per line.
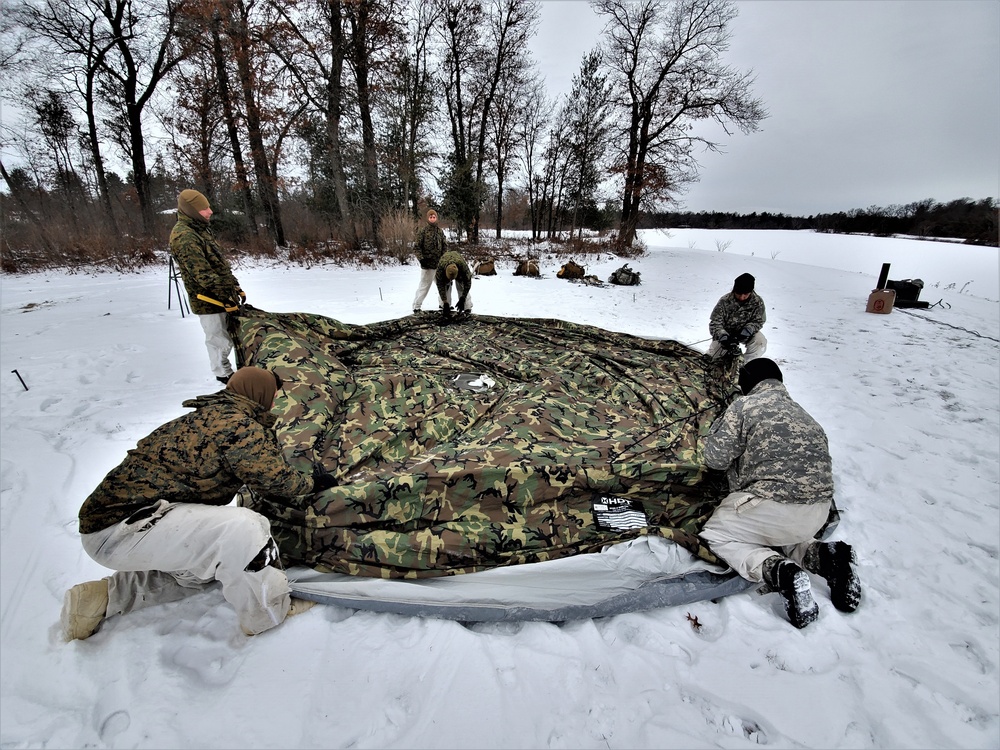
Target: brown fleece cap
192, 203
255, 384
451, 271
431, 213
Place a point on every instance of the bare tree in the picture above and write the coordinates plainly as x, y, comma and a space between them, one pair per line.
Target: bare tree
22, 202
78, 33
246, 44
410, 105
557, 163
376, 38
512, 23
314, 49
530, 131
196, 124
143, 49
229, 109
665, 64
462, 73
505, 122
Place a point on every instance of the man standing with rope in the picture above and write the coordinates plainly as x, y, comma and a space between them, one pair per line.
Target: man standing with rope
212, 288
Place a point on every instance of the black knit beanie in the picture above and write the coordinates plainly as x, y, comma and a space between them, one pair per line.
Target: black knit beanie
756, 370
743, 284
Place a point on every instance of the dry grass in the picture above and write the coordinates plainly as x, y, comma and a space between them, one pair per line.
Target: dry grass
396, 233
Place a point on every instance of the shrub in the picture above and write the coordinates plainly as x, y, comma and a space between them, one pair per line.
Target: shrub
396, 234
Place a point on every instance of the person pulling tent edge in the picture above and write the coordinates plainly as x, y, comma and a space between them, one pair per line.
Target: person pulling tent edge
781, 489
452, 268
737, 319
162, 521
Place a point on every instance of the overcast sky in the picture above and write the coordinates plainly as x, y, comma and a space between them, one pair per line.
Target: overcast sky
871, 102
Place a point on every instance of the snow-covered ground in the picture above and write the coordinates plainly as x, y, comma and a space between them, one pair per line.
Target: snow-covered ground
911, 404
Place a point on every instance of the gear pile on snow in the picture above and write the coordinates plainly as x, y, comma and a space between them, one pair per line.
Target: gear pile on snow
571, 270
527, 267
624, 276
488, 443
486, 268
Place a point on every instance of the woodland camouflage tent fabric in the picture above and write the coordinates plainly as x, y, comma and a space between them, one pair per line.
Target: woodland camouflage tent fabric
484, 442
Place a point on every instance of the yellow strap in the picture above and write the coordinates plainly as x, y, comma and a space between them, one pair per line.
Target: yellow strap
216, 302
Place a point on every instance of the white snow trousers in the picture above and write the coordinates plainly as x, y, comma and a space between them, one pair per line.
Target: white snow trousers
745, 530
180, 548
756, 347
426, 282
218, 342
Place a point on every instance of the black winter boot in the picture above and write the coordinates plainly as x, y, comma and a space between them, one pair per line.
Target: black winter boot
789, 580
834, 561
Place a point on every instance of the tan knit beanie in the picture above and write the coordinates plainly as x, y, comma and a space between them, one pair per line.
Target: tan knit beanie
451, 271
192, 203
254, 383
431, 213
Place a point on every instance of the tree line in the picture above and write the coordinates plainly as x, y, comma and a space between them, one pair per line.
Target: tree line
341, 121
972, 221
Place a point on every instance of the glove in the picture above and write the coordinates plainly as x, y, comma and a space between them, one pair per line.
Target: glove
446, 308
745, 335
461, 304
729, 344
322, 480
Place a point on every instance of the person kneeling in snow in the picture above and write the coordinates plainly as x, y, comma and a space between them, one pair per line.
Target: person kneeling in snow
781, 490
453, 268
737, 319
162, 520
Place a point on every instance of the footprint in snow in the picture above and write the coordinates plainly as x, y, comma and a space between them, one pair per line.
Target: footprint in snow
113, 725
48, 403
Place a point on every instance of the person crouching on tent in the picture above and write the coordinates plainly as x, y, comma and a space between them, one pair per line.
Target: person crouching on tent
162, 521
781, 490
452, 268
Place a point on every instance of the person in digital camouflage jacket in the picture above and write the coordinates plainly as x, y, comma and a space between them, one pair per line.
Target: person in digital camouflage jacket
162, 518
207, 276
737, 319
781, 490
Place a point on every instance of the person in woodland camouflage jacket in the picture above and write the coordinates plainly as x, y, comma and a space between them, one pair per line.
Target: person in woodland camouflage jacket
206, 273
737, 319
162, 518
781, 491
430, 245
452, 268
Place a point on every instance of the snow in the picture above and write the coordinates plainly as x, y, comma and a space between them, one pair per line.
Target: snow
911, 404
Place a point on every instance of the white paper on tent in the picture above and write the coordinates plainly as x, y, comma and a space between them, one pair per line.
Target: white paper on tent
475, 383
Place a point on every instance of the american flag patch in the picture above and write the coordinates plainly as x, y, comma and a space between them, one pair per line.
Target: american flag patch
618, 513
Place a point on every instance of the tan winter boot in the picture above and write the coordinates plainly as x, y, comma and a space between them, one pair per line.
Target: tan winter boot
299, 606
84, 609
